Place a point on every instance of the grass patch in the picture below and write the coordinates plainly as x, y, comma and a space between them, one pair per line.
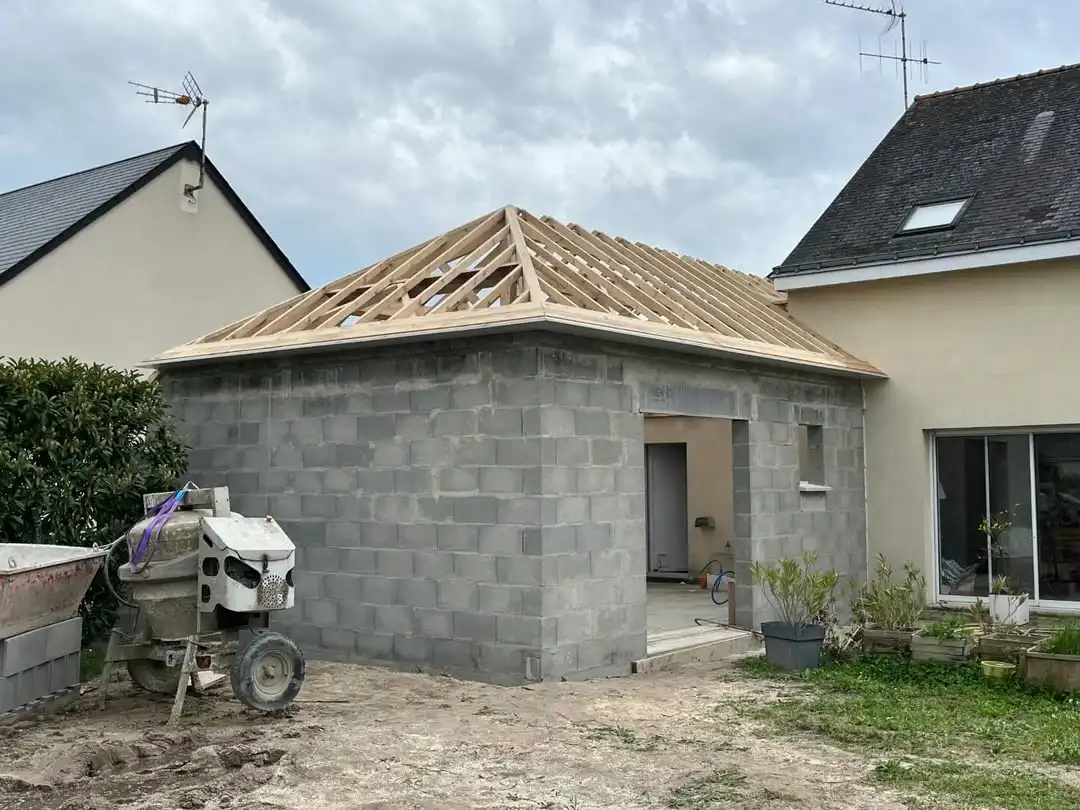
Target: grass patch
707, 791
893, 704
972, 787
625, 737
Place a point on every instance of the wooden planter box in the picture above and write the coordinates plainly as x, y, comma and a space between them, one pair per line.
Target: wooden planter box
1059, 673
946, 651
1005, 648
885, 642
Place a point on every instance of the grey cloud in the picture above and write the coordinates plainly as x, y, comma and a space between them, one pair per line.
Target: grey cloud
354, 128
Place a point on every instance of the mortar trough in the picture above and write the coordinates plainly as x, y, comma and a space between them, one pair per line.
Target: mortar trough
42, 584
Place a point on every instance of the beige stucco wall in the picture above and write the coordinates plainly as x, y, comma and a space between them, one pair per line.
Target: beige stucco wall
965, 349
145, 277
709, 486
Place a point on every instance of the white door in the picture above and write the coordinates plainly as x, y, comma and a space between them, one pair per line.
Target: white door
665, 502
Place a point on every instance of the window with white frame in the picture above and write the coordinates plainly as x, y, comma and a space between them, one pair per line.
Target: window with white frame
1028, 485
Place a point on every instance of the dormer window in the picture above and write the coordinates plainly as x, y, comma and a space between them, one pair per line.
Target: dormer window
936, 216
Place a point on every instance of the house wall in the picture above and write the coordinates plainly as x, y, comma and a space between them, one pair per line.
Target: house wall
709, 484
479, 507
145, 277
969, 349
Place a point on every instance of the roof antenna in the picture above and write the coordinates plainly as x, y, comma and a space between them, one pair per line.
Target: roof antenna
904, 57
192, 97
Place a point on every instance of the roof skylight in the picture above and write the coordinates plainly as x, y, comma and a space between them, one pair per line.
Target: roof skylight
933, 216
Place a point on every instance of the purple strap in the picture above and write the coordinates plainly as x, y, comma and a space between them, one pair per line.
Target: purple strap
150, 533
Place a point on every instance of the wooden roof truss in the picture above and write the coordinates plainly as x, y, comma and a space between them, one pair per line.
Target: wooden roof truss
510, 261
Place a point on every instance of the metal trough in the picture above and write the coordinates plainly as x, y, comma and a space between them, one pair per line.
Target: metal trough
42, 584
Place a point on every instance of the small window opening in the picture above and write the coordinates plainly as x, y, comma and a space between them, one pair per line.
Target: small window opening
933, 216
811, 455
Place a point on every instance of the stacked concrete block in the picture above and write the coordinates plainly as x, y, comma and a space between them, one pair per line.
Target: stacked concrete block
773, 518
479, 507
39, 663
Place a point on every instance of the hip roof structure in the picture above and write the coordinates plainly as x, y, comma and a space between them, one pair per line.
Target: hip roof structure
512, 271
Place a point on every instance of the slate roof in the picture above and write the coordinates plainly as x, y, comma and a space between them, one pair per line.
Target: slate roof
37, 219
1012, 145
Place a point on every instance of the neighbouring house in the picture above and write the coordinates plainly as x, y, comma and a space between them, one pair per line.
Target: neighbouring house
484, 445
116, 263
951, 261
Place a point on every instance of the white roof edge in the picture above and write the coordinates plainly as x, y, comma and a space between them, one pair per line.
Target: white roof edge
926, 266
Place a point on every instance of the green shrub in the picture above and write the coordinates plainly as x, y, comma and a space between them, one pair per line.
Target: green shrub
1063, 641
885, 605
79, 445
798, 592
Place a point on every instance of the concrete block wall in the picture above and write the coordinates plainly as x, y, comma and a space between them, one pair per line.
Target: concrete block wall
39, 662
773, 519
469, 508
478, 507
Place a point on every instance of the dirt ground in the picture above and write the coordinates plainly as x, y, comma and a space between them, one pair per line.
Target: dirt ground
371, 738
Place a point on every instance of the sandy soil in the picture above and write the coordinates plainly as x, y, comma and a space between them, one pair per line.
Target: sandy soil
370, 738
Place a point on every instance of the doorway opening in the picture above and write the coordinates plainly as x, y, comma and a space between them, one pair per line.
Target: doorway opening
666, 513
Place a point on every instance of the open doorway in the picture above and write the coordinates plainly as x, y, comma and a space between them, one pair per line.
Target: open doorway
666, 510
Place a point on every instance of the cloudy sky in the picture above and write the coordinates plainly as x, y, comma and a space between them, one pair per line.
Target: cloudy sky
354, 128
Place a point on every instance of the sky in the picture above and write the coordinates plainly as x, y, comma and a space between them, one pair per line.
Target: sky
356, 128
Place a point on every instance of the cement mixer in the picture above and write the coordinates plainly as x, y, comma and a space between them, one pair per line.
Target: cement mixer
203, 583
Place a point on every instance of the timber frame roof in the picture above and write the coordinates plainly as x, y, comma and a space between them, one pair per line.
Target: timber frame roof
510, 270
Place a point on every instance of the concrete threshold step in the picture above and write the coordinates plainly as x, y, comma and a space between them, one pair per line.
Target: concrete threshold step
693, 645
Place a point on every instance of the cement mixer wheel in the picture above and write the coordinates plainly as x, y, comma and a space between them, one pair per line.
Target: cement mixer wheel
153, 676
267, 674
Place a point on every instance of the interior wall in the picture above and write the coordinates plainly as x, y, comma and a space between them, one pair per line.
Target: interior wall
709, 488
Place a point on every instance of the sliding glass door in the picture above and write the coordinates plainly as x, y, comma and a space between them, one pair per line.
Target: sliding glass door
1028, 486
1057, 465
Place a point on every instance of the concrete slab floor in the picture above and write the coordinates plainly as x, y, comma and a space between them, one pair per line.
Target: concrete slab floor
674, 606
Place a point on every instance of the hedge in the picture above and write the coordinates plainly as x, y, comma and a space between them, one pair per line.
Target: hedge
79, 445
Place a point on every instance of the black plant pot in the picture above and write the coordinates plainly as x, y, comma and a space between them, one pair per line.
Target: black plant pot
793, 646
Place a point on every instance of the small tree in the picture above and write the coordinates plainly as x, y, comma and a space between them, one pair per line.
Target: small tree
79, 445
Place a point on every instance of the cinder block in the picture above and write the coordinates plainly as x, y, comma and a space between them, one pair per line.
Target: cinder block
595, 480
393, 619
525, 631
455, 423
380, 590
396, 509
572, 452
500, 540
339, 638
519, 511
375, 646
421, 536
410, 649
394, 562
356, 616
376, 427
592, 423
471, 451
501, 480
458, 479
472, 395
454, 654
458, 594
429, 399
518, 452
420, 593
474, 626
433, 564
433, 624
379, 535
356, 560
474, 567
341, 429
572, 394
500, 422
391, 454
500, 598
480, 509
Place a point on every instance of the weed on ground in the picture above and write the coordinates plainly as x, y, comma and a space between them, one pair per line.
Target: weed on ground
980, 787
893, 704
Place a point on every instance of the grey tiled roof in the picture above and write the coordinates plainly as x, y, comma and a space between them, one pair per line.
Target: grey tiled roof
31, 217
1012, 146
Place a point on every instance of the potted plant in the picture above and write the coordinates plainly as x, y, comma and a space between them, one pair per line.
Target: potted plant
1006, 603
889, 612
1055, 661
949, 640
998, 640
802, 599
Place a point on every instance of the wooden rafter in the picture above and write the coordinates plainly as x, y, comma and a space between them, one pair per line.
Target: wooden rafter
514, 267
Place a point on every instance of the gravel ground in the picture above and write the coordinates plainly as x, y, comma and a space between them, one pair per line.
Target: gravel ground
372, 738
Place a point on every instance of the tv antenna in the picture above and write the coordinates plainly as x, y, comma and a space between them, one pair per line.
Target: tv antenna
191, 97
897, 16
